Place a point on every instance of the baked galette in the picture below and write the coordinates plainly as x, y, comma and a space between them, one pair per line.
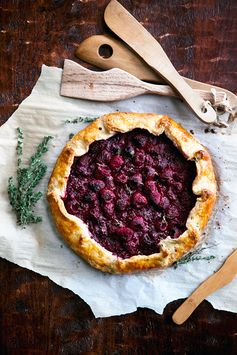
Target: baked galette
132, 191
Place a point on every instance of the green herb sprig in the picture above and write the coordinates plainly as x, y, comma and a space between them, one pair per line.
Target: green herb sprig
194, 256
21, 194
81, 119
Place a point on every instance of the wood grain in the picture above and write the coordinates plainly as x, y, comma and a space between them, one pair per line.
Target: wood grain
216, 281
116, 84
37, 316
126, 26
119, 55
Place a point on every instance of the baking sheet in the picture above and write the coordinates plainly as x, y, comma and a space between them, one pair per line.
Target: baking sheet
40, 248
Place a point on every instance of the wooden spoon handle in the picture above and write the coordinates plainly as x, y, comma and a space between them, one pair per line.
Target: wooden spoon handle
121, 22
221, 278
121, 57
124, 58
113, 84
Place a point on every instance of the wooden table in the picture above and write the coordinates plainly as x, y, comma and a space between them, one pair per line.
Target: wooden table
37, 316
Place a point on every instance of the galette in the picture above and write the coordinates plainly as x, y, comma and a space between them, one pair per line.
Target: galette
132, 191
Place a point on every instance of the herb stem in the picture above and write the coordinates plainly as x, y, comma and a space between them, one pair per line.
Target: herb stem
21, 194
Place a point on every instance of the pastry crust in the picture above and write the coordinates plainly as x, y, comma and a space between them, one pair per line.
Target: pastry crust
76, 232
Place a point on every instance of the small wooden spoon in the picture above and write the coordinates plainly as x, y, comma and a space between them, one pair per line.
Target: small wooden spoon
221, 278
114, 84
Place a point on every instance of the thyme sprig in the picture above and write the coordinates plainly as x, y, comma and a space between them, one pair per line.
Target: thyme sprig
21, 194
194, 256
81, 119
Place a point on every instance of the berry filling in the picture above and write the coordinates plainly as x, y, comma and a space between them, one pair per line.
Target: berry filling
132, 190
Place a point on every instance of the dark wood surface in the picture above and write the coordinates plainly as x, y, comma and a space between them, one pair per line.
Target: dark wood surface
36, 315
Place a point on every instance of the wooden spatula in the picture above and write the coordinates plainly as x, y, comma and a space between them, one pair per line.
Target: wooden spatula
121, 22
121, 57
221, 278
112, 85
124, 58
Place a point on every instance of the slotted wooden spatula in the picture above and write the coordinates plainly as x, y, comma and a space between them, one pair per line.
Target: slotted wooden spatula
112, 85
221, 278
121, 22
125, 58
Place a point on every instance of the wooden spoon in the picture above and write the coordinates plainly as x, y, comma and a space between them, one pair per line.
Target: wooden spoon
221, 278
112, 85
125, 58
121, 22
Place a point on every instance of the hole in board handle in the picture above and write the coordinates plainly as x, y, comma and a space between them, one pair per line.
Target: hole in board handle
105, 51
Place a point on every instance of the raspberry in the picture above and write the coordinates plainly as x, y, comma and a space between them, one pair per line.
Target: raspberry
102, 172
95, 215
124, 232
162, 148
104, 156
179, 186
149, 161
83, 170
138, 223
75, 183
103, 228
107, 195
83, 160
108, 209
167, 174
172, 212
139, 140
153, 192
156, 198
171, 195
110, 182
148, 244
90, 196
164, 203
122, 178
161, 225
78, 187
129, 151
132, 244
176, 232
150, 172
96, 185
151, 186
116, 150
136, 180
72, 207
139, 200
121, 204
116, 162
153, 150
139, 158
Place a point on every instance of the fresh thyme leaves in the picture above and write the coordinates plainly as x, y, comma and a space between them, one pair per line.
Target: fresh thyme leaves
21, 194
71, 135
19, 146
83, 119
193, 256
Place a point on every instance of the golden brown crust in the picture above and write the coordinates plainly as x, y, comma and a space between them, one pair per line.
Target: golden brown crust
76, 232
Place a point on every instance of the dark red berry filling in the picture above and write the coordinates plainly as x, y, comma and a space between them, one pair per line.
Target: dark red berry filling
132, 190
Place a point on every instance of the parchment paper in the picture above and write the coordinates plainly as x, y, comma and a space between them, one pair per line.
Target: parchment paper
40, 248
